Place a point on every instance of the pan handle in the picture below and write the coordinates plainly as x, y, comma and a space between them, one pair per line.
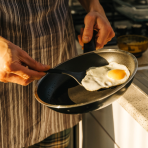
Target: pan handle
91, 46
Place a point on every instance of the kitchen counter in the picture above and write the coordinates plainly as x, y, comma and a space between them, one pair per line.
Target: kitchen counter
135, 102
135, 99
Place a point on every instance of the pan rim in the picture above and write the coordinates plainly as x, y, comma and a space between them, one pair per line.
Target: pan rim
93, 101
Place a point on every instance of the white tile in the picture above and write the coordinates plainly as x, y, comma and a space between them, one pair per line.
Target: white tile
93, 135
122, 127
105, 118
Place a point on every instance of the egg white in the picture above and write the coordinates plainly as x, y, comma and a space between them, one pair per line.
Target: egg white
97, 77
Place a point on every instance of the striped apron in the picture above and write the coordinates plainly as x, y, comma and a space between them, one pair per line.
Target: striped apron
44, 29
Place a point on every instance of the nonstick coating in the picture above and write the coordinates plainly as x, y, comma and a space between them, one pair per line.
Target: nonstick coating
63, 94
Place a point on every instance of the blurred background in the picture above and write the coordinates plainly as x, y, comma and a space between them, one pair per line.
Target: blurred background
106, 128
125, 16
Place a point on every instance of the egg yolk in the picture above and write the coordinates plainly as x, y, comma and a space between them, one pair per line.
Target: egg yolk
116, 74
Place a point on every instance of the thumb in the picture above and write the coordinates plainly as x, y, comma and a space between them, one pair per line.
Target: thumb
88, 30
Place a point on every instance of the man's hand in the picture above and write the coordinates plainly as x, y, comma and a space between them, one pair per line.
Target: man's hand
95, 19
17, 66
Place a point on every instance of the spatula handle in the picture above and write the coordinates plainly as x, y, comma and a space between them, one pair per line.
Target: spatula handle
91, 46
56, 71
59, 71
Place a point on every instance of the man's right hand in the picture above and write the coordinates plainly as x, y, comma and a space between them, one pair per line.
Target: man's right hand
17, 66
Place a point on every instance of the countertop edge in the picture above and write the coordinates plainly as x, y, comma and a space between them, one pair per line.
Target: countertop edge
135, 102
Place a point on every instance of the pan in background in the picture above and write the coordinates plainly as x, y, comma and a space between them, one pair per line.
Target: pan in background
63, 94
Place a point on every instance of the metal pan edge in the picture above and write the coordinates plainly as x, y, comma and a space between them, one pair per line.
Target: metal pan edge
86, 103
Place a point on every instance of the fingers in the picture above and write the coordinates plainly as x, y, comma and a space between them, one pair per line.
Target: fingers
105, 33
94, 20
17, 79
9, 77
99, 44
26, 73
31, 63
22, 72
101, 38
12, 69
111, 35
80, 37
109, 38
89, 22
19, 74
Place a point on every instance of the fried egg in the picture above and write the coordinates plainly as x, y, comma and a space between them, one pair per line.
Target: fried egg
106, 76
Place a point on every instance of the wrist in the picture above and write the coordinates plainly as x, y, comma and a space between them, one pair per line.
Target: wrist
97, 8
90, 5
3, 46
93, 6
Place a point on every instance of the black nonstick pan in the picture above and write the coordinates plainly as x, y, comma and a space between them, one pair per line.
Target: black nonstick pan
63, 94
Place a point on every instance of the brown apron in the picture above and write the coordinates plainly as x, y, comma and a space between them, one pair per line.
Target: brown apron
44, 29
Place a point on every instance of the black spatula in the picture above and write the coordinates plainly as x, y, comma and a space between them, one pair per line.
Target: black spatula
78, 76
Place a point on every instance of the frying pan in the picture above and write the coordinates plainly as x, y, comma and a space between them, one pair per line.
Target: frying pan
63, 94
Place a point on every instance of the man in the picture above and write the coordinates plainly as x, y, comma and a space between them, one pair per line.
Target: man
34, 32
